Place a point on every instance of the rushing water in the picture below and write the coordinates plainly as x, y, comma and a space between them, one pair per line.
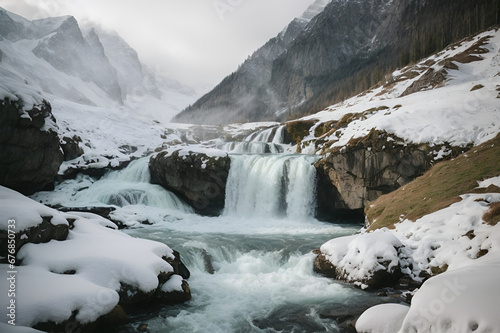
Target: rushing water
251, 268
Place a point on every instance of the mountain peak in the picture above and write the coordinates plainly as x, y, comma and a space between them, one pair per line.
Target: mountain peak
45, 26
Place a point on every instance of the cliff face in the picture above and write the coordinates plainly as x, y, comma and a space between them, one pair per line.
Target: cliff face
29, 150
343, 50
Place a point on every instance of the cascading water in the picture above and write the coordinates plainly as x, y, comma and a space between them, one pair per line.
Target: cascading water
267, 141
251, 268
276, 185
120, 189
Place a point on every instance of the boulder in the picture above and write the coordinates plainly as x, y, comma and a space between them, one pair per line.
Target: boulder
369, 261
197, 177
30, 155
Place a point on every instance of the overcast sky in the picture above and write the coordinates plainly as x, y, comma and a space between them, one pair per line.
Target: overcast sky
197, 42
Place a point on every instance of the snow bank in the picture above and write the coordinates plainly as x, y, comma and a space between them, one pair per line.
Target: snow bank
451, 237
82, 274
383, 318
456, 240
26, 212
461, 300
196, 149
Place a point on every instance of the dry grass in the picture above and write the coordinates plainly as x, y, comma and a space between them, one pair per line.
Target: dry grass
492, 216
438, 188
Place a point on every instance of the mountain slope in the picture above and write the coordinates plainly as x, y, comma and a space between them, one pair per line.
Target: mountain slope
237, 97
83, 64
344, 50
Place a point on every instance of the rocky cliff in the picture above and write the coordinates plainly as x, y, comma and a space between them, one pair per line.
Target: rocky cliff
30, 155
369, 167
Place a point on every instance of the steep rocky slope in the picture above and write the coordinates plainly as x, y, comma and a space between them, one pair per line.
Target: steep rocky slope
344, 50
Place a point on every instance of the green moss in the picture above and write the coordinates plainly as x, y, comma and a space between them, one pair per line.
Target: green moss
438, 188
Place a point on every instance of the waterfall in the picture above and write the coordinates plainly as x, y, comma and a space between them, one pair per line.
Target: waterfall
267, 141
130, 186
252, 147
271, 186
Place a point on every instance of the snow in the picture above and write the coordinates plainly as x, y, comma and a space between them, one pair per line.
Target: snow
450, 114
359, 256
383, 318
82, 273
26, 212
492, 181
462, 299
196, 149
102, 256
173, 284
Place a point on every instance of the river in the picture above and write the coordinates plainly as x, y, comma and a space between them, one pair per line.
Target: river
251, 267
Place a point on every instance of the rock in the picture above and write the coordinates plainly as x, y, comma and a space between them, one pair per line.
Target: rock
42, 233
71, 147
197, 178
324, 267
368, 261
369, 167
30, 155
295, 131
132, 298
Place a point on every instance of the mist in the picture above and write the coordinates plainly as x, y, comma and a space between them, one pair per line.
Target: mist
196, 43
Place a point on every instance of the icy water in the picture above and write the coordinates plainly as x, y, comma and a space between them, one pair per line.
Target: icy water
251, 268
252, 275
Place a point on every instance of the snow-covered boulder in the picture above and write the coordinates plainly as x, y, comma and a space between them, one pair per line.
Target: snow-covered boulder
85, 279
31, 222
369, 260
196, 174
29, 146
383, 318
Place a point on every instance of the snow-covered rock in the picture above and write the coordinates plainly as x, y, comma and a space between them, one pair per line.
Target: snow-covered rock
383, 318
85, 276
369, 260
196, 174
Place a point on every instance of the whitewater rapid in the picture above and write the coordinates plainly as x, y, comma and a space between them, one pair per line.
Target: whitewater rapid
251, 268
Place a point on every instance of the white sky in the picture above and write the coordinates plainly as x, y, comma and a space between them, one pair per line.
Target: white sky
197, 42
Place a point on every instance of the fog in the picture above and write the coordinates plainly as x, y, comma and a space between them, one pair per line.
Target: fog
196, 42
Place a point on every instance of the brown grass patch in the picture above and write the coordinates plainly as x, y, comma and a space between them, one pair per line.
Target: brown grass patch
492, 216
438, 188
477, 87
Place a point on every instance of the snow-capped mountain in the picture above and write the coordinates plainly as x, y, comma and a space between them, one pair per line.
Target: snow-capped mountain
86, 65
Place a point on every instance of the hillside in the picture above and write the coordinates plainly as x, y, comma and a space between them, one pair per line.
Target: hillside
438, 188
342, 51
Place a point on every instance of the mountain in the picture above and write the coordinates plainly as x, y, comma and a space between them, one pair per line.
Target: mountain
247, 83
348, 47
83, 64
